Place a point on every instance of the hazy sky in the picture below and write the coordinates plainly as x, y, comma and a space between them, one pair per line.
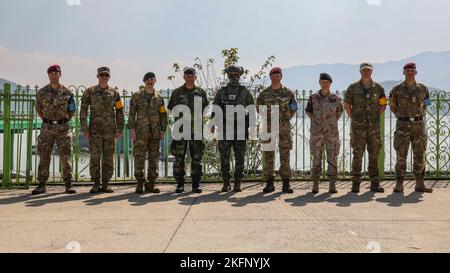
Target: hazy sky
136, 36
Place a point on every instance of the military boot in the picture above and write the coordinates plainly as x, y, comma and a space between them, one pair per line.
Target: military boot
139, 186
150, 187
69, 188
96, 187
269, 186
237, 185
315, 188
226, 185
375, 186
356, 185
180, 185
332, 188
106, 188
196, 185
287, 186
399, 185
39, 189
420, 185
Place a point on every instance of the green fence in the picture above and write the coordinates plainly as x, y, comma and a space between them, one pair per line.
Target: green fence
19, 128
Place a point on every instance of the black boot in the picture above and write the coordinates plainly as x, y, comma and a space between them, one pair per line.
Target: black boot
196, 185
287, 186
237, 185
399, 185
226, 185
356, 185
69, 188
39, 189
315, 188
180, 185
375, 186
139, 186
269, 186
96, 187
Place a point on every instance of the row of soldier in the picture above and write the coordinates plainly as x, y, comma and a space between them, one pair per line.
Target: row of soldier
102, 122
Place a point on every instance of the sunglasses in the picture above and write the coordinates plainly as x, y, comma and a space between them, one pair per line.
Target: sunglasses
103, 76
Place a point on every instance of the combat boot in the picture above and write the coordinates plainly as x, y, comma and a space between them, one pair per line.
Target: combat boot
420, 185
269, 186
399, 185
315, 188
106, 188
287, 186
237, 185
356, 185
375, 186
180, 185
69, 188
226, 185
96, 187
150, 187
139, 186
39, 189
196, 185
332, 188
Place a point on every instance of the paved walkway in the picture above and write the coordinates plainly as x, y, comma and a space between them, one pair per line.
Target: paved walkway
215, 222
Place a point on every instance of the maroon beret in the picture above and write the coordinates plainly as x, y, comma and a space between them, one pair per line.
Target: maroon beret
54, 68
275, 70
409, 66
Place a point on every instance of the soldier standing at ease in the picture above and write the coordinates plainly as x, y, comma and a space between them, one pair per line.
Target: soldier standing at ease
284, 98
365, 101
324, 108
186, 95
147, 121
56, 106
233, 94
106, 123
408, 101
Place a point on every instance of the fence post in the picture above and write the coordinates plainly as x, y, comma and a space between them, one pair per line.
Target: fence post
29, 165
381, 155
7, 136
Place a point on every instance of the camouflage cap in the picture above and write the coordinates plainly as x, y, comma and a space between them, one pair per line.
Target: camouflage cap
103, 70
234, 69
189, 71
149, 75
365, 66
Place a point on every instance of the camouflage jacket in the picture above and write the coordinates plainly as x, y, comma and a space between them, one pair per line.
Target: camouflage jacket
284, 98
366, 103
147, 113
105, 109
324, 113
55, 105
409, 102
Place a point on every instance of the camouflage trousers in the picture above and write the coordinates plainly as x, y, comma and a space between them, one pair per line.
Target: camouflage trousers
179, 149
317, 144
239, 147
102, 147
413, 133
361, 138
146, 146
49, 135
285, 147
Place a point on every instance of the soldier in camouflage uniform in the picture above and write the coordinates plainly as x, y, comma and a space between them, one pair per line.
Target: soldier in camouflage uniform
56, 106
284, 98
365, 101
106, 122
408, 101
233, 94
324, 108
147, 120
186, 95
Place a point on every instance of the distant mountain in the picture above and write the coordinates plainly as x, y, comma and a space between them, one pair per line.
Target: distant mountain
3, 81
433, 70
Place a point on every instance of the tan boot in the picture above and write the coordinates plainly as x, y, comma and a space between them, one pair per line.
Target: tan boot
399, 185
150, 187
139, 187
332, 189
237, 185
69, 188
106, 188
420, 185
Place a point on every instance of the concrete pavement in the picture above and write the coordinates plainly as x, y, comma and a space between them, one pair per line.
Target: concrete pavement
232, 222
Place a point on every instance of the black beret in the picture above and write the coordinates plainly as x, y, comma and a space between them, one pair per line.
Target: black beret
189, 71
325, 77
149, 75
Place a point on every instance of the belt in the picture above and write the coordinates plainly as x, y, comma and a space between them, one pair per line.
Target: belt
410, 119
54, 122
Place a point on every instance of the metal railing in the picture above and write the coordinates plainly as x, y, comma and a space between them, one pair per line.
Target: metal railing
19, 128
